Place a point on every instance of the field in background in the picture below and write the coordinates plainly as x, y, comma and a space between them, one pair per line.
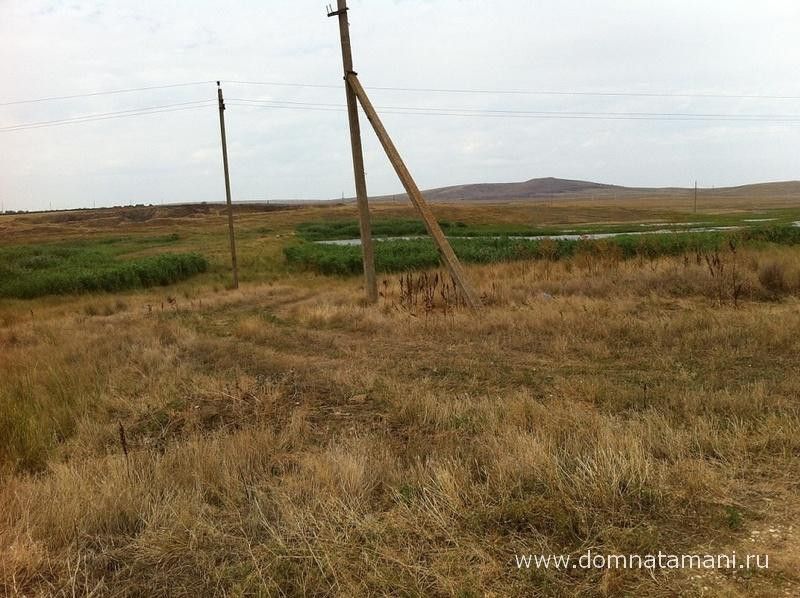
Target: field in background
287, 439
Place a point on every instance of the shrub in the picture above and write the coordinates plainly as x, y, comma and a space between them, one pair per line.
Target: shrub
772, 277
33, 271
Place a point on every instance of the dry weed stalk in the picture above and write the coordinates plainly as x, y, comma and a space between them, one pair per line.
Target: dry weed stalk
726, 276
123, 441
429, 292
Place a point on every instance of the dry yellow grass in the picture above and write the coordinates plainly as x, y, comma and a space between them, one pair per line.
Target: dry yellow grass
286, 439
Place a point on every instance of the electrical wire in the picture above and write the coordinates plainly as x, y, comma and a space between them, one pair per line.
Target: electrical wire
535, 112
428, 111
277, 84
111, 115
104, 93
634, 94
412, 110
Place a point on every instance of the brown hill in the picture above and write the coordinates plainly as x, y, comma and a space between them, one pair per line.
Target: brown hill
554, 188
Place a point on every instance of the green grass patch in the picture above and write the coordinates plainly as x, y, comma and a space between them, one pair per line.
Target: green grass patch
416, 254
348, 229
28, 271
331, 230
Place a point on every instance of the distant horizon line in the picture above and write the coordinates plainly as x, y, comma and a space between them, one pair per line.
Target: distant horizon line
601, 189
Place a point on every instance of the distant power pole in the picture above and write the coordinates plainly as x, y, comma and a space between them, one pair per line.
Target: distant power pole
695, 197
221, 102
367, 248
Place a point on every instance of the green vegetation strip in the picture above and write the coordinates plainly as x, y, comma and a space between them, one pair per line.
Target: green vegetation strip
331, 230
28, 271
415, 254
345, 228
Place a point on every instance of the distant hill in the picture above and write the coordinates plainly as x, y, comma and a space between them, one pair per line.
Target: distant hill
527, 189
552, 188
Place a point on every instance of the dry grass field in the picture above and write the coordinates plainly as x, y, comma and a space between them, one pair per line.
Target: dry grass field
285, 439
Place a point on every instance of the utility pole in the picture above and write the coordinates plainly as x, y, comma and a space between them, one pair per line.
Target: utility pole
221, 102
434, 230
695, 197
367, 247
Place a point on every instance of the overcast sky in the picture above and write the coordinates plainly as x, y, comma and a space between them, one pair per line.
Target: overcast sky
52, 48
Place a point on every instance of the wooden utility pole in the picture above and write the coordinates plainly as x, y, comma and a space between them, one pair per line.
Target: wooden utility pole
435, 231
221, 102
355, 90
695, 197
367, 247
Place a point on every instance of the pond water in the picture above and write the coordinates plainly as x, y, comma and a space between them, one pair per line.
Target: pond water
562, 237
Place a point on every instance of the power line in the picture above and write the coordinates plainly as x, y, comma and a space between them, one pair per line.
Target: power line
277, 84
681, 116
412, 110
534, 92
544, 117
591, 93
74, 122
417, 90
110, 115
240, 104
113, 113
105, 93
535, 112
